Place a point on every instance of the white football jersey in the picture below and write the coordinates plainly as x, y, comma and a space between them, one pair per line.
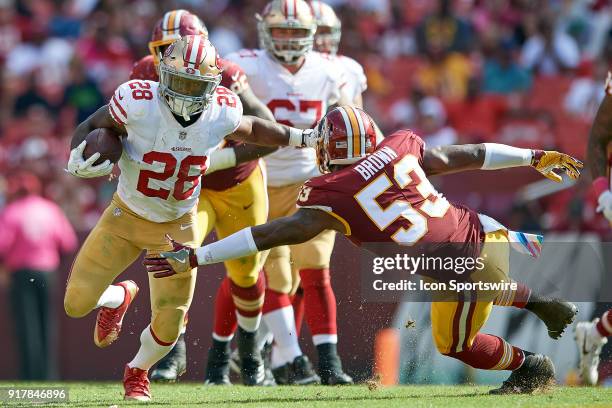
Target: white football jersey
298, 100
356, 81
162, 161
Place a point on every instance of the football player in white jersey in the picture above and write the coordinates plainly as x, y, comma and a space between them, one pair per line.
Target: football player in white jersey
327, 40
169, 132
298, 85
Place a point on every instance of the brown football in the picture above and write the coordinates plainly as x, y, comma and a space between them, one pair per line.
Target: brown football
105, 141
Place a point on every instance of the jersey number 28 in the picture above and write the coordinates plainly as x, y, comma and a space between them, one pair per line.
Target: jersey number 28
179, 193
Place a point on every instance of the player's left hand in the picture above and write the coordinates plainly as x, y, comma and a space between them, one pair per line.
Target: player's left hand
547, 161
181, 259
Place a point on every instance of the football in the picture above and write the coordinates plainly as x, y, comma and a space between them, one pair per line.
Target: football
105, 141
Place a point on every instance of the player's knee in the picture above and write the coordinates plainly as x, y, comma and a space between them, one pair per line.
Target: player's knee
244, 281
76, 304
167, 324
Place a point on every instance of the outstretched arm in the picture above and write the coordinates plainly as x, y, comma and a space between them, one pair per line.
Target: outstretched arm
267, 133
494, 156
295, 229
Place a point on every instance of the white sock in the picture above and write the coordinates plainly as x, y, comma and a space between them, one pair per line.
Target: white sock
150, 351
249, 324
276, 358
264, 336
112, 297
324, 338
282, 325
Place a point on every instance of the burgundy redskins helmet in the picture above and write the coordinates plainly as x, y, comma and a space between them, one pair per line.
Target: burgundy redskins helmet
171, 27
348, 134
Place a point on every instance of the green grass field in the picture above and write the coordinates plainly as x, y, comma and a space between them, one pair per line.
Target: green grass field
196, 395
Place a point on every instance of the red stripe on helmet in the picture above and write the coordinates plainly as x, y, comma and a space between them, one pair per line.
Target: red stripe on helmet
199, 56
188, 51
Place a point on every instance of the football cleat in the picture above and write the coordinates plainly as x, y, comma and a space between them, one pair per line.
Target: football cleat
173, 365
217, 367
299, 372
251, 363
109, 320
536, 374
136, 384
330, 366
589, 345
556, 314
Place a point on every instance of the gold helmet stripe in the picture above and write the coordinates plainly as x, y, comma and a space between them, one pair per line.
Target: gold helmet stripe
349, 132
362, 131
356, 134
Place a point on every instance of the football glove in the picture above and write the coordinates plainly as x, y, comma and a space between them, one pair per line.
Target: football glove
181, 259
604, 204
77, 166
310, 138
546, 161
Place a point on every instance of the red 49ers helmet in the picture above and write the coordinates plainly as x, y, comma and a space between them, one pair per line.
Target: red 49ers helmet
348, 134
171, 27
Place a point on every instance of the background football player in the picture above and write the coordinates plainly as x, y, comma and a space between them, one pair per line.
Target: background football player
327, 41
298, 85
230, 200
383, 195
172, 128
592, 336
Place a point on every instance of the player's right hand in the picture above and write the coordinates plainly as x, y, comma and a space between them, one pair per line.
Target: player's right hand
77, 166
181, 259
604, 204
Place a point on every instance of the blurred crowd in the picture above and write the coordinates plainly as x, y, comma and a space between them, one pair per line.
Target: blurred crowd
523, 72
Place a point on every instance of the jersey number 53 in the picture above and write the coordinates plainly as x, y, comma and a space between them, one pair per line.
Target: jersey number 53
434, 204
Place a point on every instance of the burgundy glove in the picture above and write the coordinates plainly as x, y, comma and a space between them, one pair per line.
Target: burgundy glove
181, 259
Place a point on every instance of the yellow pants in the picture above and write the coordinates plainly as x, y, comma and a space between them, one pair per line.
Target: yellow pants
455, 324
231, 210
116, 242
284, 263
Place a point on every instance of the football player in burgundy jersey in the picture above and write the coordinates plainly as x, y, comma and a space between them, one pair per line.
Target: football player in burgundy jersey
592, 336
235, 193
380, 193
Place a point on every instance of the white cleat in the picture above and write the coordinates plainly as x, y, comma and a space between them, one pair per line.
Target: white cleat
589, 344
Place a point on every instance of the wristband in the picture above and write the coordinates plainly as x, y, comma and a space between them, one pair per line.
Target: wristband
600, 184
237, 245
296, 137
500, 156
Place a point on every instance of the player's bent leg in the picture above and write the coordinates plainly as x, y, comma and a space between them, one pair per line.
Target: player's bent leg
312, 259
555, 313
590, 338
106, 253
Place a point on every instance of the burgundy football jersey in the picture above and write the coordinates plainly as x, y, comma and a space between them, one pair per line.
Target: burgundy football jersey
387, 197
232, 77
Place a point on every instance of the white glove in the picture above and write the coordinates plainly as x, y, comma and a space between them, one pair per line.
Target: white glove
79, 167
310, 137
605, 204
303, 138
